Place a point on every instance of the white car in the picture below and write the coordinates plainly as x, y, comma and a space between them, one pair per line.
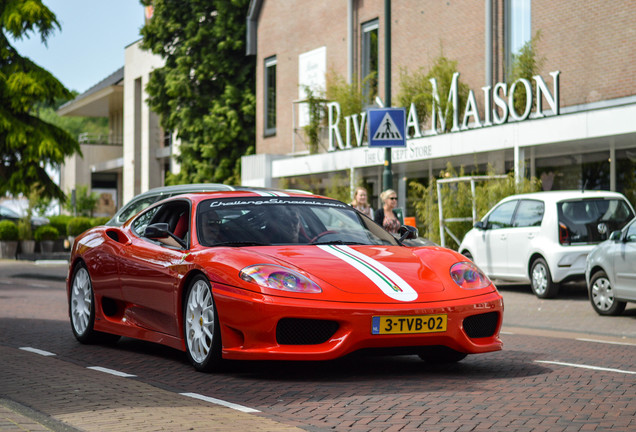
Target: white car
611, 272
543, 238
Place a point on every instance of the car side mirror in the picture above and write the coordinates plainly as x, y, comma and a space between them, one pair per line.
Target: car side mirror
407, 232
615, 236
157, 230
481, 225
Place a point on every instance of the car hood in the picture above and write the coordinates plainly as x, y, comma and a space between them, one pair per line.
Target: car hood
359, 273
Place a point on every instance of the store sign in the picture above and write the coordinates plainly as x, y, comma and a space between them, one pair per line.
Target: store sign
500, 98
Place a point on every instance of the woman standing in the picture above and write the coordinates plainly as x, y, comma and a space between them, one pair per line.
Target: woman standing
360, 202
386, 216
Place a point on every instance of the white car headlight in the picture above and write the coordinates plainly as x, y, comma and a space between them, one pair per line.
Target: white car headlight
278, 278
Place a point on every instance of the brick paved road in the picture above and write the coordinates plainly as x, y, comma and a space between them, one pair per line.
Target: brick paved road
510, 390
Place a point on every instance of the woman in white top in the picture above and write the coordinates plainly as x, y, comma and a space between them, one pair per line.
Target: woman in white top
360, 202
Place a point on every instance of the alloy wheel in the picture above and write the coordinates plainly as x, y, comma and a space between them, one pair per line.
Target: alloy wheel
199, 321
81, 301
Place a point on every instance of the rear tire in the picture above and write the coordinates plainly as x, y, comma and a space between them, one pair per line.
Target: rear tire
468, 255
541, 280
602, 296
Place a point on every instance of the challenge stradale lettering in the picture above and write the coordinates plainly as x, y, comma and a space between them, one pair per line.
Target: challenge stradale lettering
500, 98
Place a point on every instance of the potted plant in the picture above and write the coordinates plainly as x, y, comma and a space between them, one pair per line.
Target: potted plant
8, 239
25, 236
46, 236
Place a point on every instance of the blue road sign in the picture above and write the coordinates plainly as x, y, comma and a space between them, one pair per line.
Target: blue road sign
387, 127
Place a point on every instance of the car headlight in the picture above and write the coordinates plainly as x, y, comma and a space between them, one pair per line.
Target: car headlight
468, 276
278, 278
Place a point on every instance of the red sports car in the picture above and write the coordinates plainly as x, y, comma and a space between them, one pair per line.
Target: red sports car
259, 274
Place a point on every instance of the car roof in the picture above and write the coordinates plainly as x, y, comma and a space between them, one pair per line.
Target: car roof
185, 188
250, 192
563, 195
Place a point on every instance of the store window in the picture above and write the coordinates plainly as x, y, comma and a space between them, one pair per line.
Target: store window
270, 96
370, 60
518, 27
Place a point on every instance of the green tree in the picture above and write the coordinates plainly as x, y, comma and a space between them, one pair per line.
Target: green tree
525, 64
205, 90
416, 88
72, 124
28, 144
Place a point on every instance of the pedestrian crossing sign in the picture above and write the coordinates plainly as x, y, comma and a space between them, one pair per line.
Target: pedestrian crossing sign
387, 127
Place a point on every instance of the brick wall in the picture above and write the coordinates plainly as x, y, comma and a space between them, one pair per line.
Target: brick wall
592, 43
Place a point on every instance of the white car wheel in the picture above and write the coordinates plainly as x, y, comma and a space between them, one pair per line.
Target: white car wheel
602, 296
201, 326
541, 280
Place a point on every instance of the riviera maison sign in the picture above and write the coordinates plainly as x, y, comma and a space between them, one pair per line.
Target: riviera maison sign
502, 110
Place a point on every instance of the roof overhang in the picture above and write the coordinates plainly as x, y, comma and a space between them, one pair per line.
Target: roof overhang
97, 104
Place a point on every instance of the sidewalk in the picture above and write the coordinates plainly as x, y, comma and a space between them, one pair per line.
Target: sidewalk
75, 398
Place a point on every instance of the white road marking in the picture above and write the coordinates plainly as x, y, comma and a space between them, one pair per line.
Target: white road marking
38, 351
111, 371
586, 367
605, 342
220, 402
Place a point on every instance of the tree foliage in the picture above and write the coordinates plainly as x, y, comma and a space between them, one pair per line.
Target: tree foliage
525, 64
28, 144
416, 88
205, 90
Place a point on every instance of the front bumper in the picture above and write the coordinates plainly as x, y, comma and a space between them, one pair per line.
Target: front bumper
249, 324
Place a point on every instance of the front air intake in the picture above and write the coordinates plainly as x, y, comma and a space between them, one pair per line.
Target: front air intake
299, 331
482, 325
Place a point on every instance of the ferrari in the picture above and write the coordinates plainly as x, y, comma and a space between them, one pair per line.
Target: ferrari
271, 275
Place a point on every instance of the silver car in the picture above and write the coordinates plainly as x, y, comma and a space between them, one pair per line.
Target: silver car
611, 272
152, 196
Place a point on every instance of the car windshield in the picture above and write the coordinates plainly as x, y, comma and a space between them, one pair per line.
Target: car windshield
282, 221
592, 220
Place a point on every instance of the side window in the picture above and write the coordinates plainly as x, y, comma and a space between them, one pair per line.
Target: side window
501, 216
135, 207
529, 213
631, 233
139, 225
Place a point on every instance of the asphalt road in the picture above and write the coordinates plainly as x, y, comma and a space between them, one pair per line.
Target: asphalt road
562, 368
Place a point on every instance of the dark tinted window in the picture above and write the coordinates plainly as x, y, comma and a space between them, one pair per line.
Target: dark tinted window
591, 220
275, 221
501, 216
529, 213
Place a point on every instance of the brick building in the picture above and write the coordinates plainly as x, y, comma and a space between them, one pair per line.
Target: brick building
581, 130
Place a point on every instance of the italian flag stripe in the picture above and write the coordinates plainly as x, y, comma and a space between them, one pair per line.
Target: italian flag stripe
388, 281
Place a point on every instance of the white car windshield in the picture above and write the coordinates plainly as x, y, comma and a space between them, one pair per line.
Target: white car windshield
284, 220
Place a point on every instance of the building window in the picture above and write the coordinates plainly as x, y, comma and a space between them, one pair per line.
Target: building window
518, 27
370, 60
270, 96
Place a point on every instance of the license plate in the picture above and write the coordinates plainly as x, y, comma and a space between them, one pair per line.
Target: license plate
408, 324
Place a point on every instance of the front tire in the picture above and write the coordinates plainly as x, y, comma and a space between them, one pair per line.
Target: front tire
201, 329
82, 309
541, 280
602, 296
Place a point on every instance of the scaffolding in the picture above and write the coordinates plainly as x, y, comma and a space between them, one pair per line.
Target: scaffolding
442, 221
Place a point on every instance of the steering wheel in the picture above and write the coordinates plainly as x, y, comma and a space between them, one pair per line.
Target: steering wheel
322, 234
